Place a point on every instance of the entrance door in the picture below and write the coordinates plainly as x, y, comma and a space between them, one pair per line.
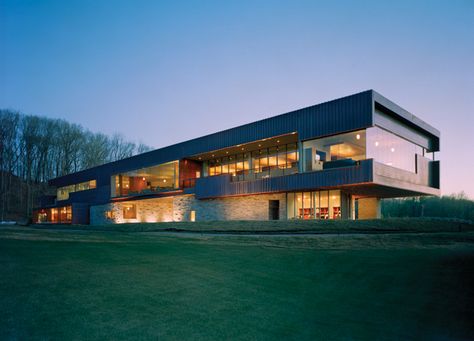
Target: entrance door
274, 209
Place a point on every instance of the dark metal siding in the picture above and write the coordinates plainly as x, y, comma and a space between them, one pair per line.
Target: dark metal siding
344, 114
80, 213
219, 186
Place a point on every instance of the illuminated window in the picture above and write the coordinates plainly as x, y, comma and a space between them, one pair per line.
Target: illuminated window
129, 211
159, 178
109, 215
63, 192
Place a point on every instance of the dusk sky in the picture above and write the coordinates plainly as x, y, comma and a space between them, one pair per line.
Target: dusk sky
163, 72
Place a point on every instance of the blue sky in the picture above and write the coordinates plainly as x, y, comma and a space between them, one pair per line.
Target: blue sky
161, 72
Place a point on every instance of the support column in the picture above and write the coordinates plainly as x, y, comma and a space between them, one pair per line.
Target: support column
369, 208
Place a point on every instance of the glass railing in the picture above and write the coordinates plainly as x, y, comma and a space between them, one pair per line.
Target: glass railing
264, 172
145, 191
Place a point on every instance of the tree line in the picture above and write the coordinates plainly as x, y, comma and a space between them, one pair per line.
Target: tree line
448, 206
35, 149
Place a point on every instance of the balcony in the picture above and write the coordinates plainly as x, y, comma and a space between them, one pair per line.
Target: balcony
223, 185
266, 172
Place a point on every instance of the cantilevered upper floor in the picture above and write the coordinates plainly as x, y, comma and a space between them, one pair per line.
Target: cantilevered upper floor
364, 143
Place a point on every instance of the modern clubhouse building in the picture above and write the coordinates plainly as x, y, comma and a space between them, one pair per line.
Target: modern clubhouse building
334, 160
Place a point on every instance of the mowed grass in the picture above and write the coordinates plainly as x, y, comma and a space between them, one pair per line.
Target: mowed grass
114, 285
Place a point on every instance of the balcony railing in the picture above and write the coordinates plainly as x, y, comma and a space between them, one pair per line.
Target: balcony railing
265, 172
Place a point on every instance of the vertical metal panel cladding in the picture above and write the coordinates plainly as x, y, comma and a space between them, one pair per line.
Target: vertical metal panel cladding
221, 186
80, 213
348, 113
344, 114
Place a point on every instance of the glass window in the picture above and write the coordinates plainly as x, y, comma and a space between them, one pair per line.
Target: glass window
152, 179
390, 149
299, 205
272, 157
324, 205
308, 210
334, 151
129, 211
314, 205
63, 192
334, 205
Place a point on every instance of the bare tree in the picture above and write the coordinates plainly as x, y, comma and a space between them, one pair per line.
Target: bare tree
35, 149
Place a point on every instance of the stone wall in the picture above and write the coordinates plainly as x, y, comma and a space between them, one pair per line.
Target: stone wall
147, 211
178, 208
254, 207
369, 208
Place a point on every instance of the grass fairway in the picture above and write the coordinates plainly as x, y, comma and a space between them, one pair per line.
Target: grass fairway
94, 285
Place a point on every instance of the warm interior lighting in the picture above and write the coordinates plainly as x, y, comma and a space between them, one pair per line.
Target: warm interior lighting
164, 180
243, 148
227, 152
358, 136
143, 179
278, 141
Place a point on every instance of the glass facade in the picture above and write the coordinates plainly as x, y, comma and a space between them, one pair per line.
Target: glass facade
159, 178
372, 143
392, 150
314, 205
63, 192
334, 151
57, 215
260, 163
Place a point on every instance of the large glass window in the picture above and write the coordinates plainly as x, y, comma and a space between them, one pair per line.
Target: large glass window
61, 215
63, 192
163, 177
392, 150
314, 205
265, 162
346, 149
334, 151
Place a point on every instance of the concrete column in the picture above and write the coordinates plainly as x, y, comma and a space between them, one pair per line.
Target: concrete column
369, 208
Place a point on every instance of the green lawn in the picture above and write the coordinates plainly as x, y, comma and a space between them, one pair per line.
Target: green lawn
94, 285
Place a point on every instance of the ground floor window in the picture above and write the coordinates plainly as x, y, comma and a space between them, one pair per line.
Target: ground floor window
129, 211
53, 215
314, 205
